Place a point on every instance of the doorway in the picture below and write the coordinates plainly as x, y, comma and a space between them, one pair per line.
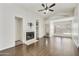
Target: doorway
19, 30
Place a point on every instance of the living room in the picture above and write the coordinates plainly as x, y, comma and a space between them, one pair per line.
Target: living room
28, 30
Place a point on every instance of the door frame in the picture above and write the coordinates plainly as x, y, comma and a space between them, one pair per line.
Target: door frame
16, 28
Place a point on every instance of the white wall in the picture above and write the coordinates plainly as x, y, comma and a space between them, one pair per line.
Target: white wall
75, 26
7, 23
47, 26
41, 28
51, 33
1, 26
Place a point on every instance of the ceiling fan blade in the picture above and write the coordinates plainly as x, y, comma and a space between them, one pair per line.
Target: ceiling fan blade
43, 5
41, 10
46, 7
52, 5
51, 10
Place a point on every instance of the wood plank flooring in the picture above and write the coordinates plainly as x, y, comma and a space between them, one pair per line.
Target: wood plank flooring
44, 47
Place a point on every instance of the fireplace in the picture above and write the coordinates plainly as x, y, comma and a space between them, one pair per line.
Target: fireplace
29, 35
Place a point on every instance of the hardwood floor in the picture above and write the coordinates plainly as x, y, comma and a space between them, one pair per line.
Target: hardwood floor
44, 47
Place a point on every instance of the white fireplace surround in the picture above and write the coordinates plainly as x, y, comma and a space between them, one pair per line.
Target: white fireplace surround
31, 41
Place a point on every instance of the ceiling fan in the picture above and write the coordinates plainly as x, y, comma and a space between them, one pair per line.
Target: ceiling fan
47, 8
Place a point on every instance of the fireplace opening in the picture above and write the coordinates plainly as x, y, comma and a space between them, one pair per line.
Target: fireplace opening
29, 35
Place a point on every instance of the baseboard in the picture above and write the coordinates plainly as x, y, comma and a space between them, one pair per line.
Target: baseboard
18, 42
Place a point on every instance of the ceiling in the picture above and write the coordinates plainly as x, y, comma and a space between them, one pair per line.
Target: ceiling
59, 8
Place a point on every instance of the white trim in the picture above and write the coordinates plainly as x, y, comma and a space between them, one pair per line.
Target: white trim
16, 25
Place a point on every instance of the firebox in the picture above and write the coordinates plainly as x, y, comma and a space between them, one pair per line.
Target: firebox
29, 35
